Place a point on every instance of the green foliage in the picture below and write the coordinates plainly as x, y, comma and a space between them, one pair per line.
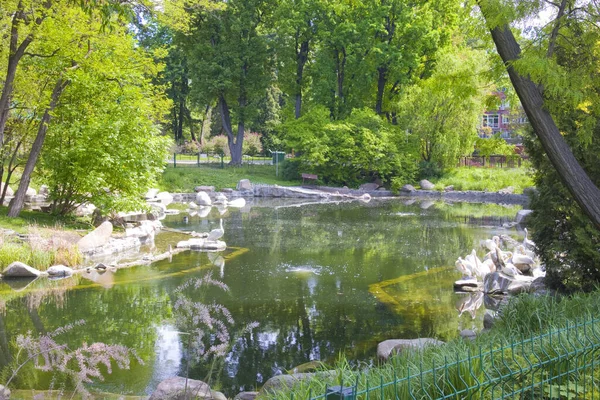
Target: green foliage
217, 145
489, 179
494, 145
429, 170
185, 179
252, 145
360, 148
444, 111
290, 169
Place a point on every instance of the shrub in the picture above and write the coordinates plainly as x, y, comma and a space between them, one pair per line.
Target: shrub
429, 170
191, 147
252, 145
218, 145
290, 169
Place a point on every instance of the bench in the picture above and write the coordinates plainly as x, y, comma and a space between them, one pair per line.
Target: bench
309, 177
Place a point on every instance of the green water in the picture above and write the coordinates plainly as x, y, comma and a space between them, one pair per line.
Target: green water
320, 280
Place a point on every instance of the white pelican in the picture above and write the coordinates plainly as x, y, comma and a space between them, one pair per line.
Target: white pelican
216, 234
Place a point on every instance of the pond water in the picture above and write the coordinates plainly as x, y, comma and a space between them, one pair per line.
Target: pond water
320, 280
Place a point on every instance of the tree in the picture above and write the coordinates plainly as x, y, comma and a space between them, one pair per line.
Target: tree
531, 93
444, 111
229, 63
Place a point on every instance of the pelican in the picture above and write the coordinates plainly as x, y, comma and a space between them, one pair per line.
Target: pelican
511, 270
489, 264
464, 267
477, 267
216, 234
527, 242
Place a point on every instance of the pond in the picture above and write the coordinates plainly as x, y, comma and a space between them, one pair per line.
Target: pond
320, 280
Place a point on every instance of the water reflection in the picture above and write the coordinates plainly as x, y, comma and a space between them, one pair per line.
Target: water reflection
320, 280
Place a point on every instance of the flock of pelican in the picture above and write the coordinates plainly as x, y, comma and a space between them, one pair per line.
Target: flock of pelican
521, 260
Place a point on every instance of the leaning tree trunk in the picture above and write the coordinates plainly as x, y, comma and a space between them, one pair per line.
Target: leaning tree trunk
301, 59
16, 205
573, 176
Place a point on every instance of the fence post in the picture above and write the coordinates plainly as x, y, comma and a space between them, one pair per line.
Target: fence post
198, 162
174, 160
222, 164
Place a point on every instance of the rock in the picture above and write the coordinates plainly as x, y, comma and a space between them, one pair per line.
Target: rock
220, 198
449, 188
246, 396
507, 190
539, 285
174, 389
18, 269
59, 270
368, 187
30, 192
9, 192
204, 189
408, 188
426, 204
96, 238
365, 198
165, 198
244, 184
151, 193
83, 210
43, 190
426, 185
159, 207
217, 395
523, 216
281, 382
387, 348
468, 334
467, 285
500, 283
145, 232
203, 199
227, 190
202, 244
489, 319
4, 393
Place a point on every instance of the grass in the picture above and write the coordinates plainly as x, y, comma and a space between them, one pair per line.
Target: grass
27, 218
485, 179
552, 344
184, 179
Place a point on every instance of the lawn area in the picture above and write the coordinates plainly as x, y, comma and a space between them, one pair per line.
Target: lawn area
30, 218
184, 179
490, 179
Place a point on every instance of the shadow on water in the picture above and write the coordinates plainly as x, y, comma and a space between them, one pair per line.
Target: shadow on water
320, 280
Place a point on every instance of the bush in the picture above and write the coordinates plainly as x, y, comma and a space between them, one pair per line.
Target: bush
568, 242
252, 145
191, 147
429, 170
290, 169
217, 145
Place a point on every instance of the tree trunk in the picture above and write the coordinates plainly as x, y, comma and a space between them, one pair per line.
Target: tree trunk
301, 58
16, 205
236, 147
381, 80
15, 54
206, 122
573, 176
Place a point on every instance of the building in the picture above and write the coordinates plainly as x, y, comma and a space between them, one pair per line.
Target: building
505, 120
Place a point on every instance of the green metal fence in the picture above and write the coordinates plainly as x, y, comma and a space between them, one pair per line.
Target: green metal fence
560, 364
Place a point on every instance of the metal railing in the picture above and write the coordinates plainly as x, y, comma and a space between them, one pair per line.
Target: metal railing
492, 161
559, 364
178, 160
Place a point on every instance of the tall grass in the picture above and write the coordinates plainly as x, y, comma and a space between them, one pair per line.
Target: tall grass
535, 340
490, 179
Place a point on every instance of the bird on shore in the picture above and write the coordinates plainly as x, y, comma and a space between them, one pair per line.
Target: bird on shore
216, 234
526, 242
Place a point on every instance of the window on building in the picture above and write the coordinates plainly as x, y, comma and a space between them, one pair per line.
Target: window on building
490, 120
505, 119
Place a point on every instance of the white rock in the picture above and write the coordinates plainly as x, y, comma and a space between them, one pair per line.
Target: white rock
151, 193
84, 210
220, 198
20, 270
203, 199
30, 192
174, 389
244, 184
408, 188
387, 348
98, 237
9, 191
426, 185
160, 207
237, 203
59, 270
43, 190
192, 205
165, 198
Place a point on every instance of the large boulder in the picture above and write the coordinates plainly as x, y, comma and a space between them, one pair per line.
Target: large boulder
426, 185
96, 238
30, 192
523, 215
151, 193
59, 270
177, 389
489, 319
500, 283
4, 393
204, 189
165, 198
507, 190
244, 184
282, 382
368, 187
408, 189
203, 199
43, 190
18, 269
467, 285
387, 348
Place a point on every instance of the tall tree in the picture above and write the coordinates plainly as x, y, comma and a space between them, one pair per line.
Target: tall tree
531, 94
